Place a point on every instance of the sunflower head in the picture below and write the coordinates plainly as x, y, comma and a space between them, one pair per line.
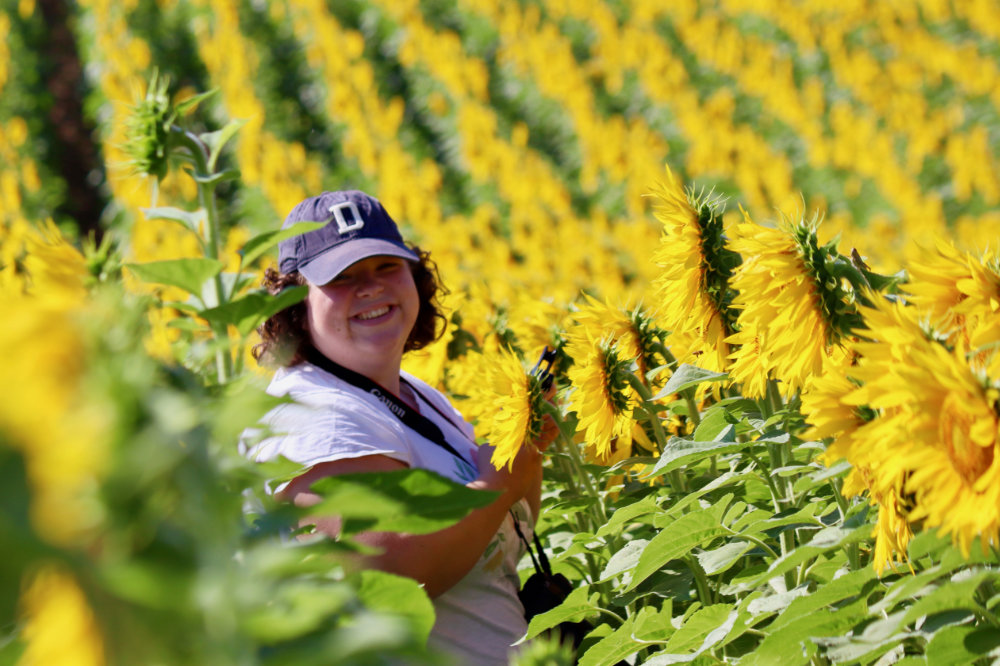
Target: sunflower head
515, 399
602, 396
834, 298
696, 265
635, 332
147, 130
718, 261
650, 338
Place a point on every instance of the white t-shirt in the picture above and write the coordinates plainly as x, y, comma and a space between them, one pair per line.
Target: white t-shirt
480, 617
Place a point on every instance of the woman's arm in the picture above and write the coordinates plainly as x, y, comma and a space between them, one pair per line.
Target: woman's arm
440, 559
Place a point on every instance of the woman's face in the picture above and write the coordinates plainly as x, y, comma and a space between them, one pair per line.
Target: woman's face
363, 317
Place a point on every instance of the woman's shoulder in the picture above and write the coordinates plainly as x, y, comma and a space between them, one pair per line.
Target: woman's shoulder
421, 385
323, 418
319, 400
310, 384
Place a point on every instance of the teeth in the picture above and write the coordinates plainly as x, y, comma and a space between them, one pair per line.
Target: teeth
371, 314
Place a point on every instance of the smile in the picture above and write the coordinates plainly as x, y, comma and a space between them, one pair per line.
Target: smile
373, 314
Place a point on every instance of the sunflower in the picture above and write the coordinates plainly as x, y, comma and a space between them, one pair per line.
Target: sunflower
936, 436
602, 397
933, 286
147, 130
60, 627
832, 419
693, 286
793, 312
633, 331
893, 530
64, 445
515, 399
536, 323
960, 294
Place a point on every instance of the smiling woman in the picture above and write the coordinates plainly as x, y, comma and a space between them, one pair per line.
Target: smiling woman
372, 298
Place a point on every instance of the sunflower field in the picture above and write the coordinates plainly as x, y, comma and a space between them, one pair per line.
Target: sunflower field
762, 238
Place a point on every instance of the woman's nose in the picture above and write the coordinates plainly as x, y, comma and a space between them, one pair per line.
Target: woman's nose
369, 284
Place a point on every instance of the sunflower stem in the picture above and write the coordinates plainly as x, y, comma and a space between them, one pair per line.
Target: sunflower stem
852, 549
646, 397
701, 581
766, 474
597, 505
753, 539
571, 475
781, 453
198, 152
677, 479
773, 397
665, 352
598, 514
693, 412
987, 615
787, 546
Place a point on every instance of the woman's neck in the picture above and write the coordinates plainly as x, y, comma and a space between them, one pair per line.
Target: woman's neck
384, 373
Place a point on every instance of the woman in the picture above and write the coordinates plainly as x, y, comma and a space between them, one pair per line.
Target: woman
371, 298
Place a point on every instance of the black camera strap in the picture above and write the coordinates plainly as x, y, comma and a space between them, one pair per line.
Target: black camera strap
411, 418
542, 563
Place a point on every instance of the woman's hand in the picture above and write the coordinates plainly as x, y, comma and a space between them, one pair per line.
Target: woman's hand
515, 479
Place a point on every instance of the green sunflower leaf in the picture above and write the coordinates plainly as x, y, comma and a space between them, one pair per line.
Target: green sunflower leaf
686, 376
217, 140
398, 595
691, 530
578, 605
250, 311
680, 452
260, 244
187, 274
192, 220
413, 501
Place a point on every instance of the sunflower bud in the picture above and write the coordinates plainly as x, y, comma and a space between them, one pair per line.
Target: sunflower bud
147, 130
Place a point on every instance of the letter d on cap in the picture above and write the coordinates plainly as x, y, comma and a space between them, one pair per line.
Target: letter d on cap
343, 226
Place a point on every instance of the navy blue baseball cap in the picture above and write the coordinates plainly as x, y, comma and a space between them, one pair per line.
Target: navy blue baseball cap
357, 227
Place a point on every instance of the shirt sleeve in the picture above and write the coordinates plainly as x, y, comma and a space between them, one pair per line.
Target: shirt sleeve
344, 429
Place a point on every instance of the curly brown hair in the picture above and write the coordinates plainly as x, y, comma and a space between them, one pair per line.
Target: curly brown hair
285, 334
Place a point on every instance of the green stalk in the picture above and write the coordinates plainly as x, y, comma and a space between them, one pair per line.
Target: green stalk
206, 199
646, 397
986, 615
665, 353
765, 473
596, 512
753, 539
700, 580
783, 452
774, 397
597, 504
677, 480
693, 412
852, 549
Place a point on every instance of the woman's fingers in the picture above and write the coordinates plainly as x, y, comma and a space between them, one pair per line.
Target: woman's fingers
550, 430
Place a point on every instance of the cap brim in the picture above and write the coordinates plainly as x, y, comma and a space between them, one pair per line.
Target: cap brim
332, 263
